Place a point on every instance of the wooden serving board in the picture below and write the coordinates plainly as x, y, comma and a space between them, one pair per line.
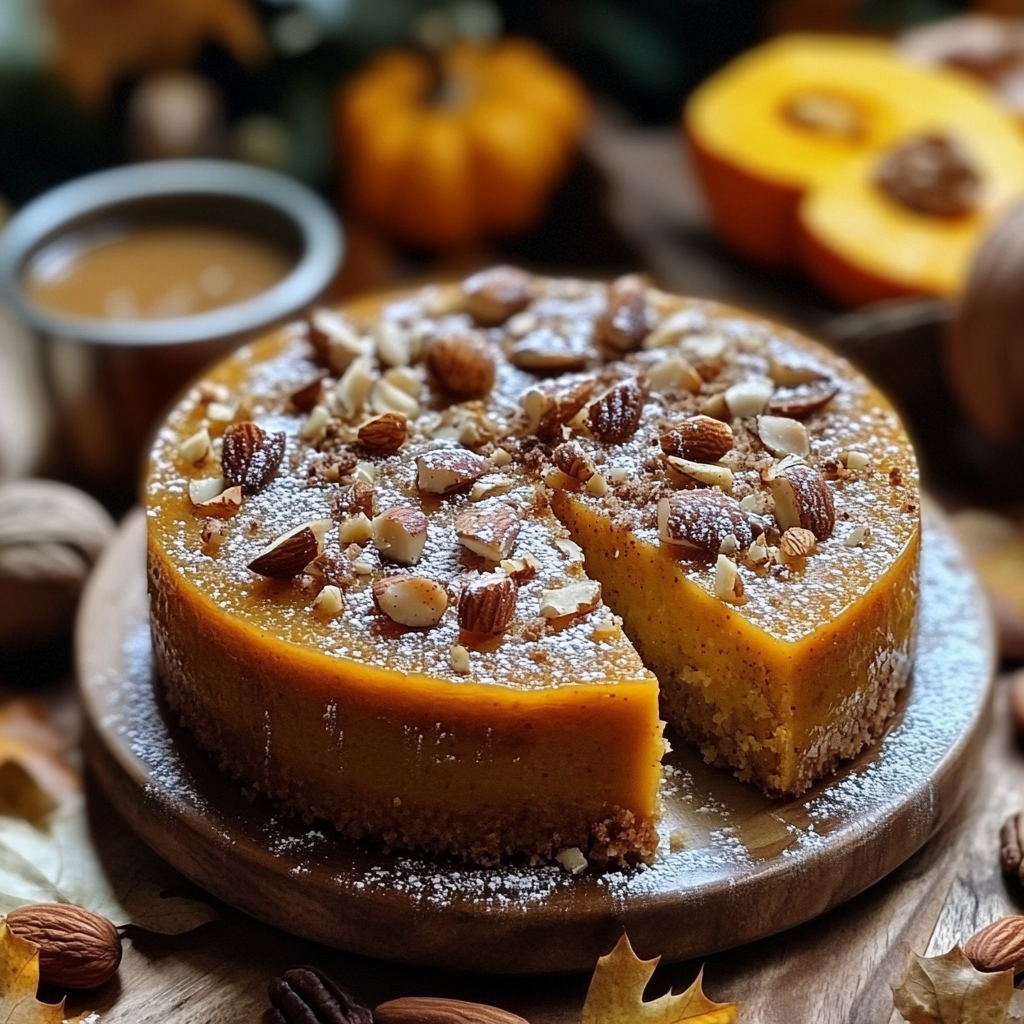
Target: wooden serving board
749, 868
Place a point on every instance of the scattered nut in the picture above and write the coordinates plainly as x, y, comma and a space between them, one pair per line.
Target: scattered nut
749, 397
460, 659
385, 434
572, 460
597, 486
386, 397
335, 339
802, 400
578, 598
699, 438
488, 530
548, 350
463, 364
802, 498
998, 946
413, 601
488, 603
447, 470
315, 424
708, 474
220, 506
353, 389
549, 406
329, 602
572, 860
858, 536
615, 416
394, 343
492, 296
399, 534
356, 530
783, 436
797, 542
250, 456
728, 584
306, 398
623, 324
196, 448
698, 521
290, 553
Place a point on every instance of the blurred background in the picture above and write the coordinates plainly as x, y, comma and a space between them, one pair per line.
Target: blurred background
616, 135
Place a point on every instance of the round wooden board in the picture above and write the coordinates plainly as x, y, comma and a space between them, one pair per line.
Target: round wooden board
749, 867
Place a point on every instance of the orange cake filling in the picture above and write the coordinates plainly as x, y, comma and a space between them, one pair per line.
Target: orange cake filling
433, 568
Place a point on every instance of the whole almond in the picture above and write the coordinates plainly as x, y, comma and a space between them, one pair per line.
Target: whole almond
433, 1010
77, 948
462, 363
493, 295
385, 434
998, 946
615, 416
700, 521
290, 553
624, 323
250, 456
802, 498
700, 439
488, 603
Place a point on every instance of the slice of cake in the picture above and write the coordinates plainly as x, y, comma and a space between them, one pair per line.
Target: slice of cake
416, 565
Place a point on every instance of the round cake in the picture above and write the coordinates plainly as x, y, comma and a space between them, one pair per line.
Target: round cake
435, 566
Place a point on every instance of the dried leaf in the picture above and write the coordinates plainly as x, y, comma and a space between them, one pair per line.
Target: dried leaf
103, 867
616, 995
19, 979
948, 989
34, 778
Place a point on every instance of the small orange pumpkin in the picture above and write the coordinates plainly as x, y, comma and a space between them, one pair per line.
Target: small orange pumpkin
442, 154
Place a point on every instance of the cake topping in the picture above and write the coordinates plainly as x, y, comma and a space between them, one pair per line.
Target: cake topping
488, 603
305, 398
413, 601
222, 505
462, 363
708, 474
616, 414
573, 461
672, 373
699, 521
315, 425
576, 598
335, 570
196, 448
624, 324
250, 456
385, 434
388, 397
399, 533
728, 583
488, 530
802, 400
749, 397
783, 436
447, 470
329, 602
354, 387
802, 498
356, 530
699, 438
797, 542
550, 405
335, 339
290, 553
550, 350
204, 488
493, 295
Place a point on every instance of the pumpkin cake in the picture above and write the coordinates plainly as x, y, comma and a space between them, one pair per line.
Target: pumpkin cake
434, 567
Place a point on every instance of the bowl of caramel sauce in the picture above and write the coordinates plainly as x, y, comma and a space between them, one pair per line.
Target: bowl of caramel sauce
136, 278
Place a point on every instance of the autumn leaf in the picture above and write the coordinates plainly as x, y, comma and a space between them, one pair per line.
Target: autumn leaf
34, 777
19, 979
97, 42
616, 995
948, 989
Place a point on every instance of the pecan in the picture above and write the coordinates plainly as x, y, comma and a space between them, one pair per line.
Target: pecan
250, 456
306, 995
615, 415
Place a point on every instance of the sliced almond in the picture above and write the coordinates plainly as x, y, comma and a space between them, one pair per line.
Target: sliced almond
699, 438
797, 542
196, 448
709, 474
335, 339
330, 602
490, 487
315, 423
673, 374
385, 397
394, 343
858, 536
802, 498
549, 406
353, 389
488, 530
716, 407
783, 436
673, 328
356, 529
488, 603
413, 601
399, 534
548, 350
447, 470
462, 363
221, 412
405, 378
728, 583
493, 295
221, 506
460, 659
385, 434
290, 553
577, 598
802, 400
704, 349
205, 488
522, 568
749, 397
793, 372
699, 521
501, 458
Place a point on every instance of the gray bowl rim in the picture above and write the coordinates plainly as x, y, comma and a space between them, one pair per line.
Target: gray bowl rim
321, 235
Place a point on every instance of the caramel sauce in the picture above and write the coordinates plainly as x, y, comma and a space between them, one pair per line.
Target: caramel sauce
152, 271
